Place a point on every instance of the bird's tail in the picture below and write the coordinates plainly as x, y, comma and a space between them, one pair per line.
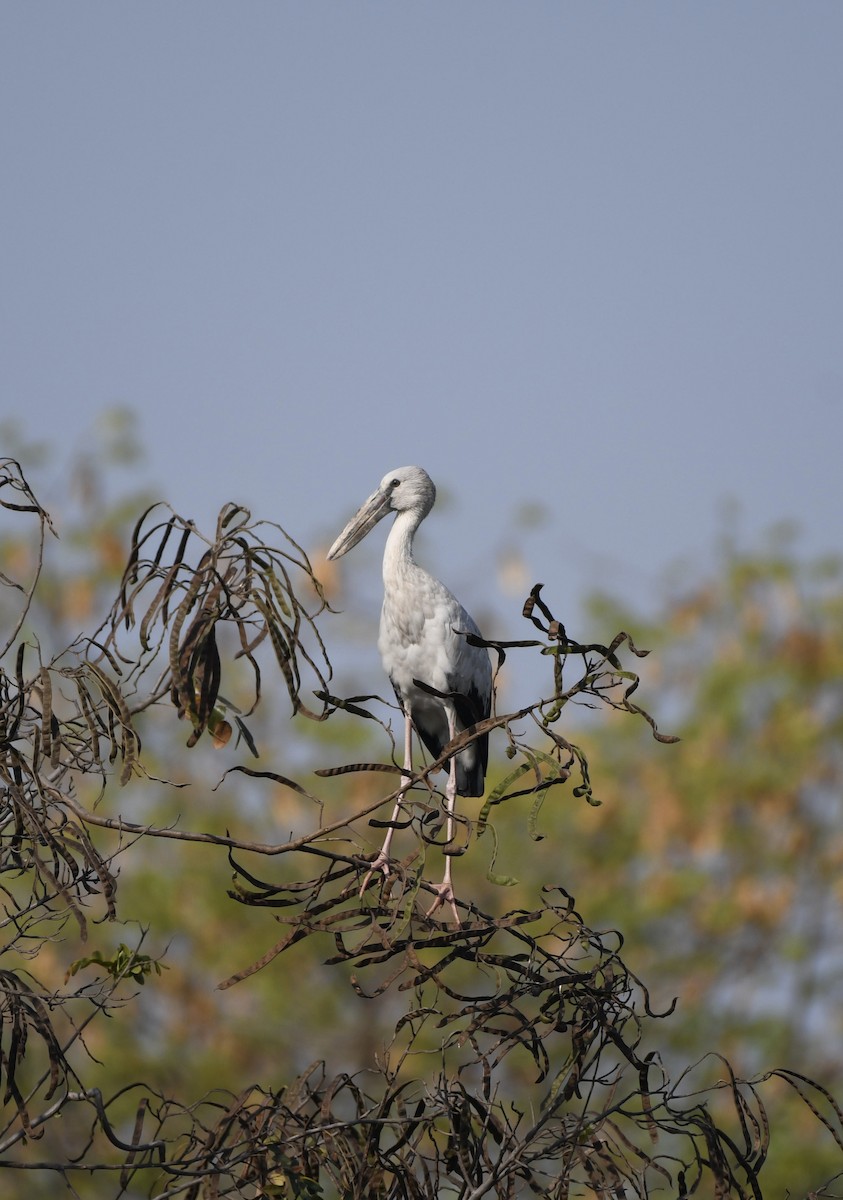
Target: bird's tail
471, 779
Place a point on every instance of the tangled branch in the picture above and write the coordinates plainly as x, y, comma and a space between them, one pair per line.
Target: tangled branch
514, 1060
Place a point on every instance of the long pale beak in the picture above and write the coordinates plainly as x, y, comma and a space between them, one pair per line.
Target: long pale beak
365, 518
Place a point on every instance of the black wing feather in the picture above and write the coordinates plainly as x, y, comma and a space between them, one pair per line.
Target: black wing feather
471, 707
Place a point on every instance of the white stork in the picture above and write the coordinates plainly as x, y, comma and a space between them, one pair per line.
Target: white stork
422, 641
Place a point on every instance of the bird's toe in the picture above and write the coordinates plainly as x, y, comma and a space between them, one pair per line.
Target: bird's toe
444, 895
378, 865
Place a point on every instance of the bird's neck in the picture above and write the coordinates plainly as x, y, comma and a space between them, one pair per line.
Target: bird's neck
398, 554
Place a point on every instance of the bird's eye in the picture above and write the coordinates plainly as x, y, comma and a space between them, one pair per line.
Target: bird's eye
395, 483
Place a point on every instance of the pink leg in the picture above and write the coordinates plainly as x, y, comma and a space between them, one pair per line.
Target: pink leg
445, 890
381, 862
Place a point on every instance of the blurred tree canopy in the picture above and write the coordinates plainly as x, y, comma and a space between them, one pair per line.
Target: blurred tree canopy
196, 1001
732, 850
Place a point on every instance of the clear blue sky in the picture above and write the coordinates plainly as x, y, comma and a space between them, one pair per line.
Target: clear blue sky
587, 255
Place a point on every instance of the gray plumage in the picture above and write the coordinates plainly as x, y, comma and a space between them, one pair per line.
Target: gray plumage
421, 643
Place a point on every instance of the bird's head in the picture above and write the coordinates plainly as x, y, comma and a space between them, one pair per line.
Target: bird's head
409, 488
406, 489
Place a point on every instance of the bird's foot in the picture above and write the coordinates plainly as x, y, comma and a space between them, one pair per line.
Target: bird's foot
378, 864
444, 895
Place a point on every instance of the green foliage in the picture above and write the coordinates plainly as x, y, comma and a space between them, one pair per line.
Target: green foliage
126, 963
721, 862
